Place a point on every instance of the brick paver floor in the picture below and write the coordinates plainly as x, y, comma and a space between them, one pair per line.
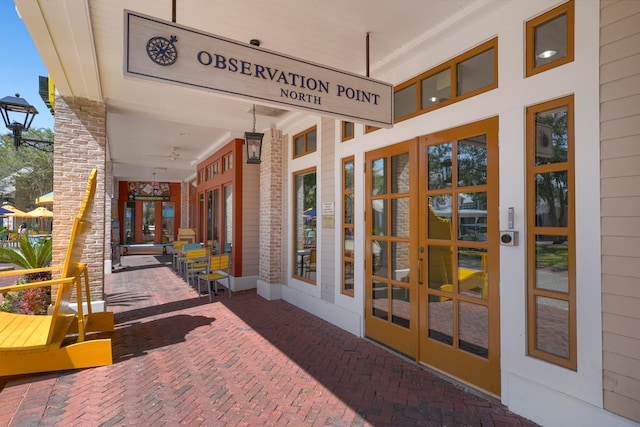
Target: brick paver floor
244, 361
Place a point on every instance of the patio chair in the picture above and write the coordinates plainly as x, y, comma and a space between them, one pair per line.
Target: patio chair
182, 253
177, 247
217, 269
194, 263
58, 341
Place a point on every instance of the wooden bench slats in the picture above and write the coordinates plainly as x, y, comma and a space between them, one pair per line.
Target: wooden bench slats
23, 331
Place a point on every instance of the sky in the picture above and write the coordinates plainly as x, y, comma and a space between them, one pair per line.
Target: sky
20, 66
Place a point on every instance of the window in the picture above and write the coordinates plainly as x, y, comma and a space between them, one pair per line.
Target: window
473, 72
305, 142
348, 176
550, 39
347, 131
551, 262
227, 162
404, 102
227, 218
201, 176
304, 225
436, 88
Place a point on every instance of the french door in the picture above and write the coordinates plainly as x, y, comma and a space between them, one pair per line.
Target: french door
432, 249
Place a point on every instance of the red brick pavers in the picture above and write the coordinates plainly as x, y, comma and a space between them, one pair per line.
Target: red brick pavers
244, 361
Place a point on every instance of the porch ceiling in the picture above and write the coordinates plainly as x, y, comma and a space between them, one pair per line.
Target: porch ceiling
81, 43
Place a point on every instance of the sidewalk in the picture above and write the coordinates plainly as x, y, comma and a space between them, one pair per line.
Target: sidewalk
244, 361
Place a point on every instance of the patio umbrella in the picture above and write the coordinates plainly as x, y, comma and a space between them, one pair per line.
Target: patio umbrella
41, 213
16, 212
45, 199
4, 211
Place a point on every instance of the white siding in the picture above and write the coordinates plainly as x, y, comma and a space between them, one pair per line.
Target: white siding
620, 200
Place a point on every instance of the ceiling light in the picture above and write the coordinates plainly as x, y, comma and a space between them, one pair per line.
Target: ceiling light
547, 54
433, 99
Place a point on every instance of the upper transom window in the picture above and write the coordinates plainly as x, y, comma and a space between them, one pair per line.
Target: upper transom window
466, 75
550, 39
305, 142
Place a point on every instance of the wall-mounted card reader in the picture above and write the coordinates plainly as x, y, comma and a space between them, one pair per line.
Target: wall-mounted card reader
509, 238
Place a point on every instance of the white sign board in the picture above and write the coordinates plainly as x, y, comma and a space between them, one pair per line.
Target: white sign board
328, 208
166, 51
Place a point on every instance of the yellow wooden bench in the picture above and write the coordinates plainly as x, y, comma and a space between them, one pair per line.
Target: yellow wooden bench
58, 340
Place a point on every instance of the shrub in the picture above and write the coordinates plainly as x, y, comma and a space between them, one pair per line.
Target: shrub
30, 255
28, 301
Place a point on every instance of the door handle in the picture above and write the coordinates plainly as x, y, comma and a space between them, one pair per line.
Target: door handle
420, 281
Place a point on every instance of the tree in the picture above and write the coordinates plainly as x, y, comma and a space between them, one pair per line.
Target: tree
553, 187
36, 165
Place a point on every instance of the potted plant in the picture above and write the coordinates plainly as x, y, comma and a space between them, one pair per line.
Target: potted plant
28, 256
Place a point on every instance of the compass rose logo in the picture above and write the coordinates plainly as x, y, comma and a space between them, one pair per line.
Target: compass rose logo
162, 51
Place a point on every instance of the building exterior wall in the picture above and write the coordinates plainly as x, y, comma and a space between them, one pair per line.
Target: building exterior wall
250, 217
122, 202
80, 146
232, 176
328, 281
620, 204
528, 384
603, 78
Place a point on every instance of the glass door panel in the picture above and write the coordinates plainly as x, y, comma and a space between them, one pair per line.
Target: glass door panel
431, 260
129, 226
209, 216
148, 222
216, 219
459, 330
391, 306
168, 222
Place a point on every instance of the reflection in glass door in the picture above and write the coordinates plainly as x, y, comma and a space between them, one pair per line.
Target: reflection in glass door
459, 331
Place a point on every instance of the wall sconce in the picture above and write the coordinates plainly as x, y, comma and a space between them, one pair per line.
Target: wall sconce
253, 142
15, 104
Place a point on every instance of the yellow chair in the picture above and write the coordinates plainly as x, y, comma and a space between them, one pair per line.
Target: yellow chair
58, 341
177, 247
194, 263
182, 253
217, 269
